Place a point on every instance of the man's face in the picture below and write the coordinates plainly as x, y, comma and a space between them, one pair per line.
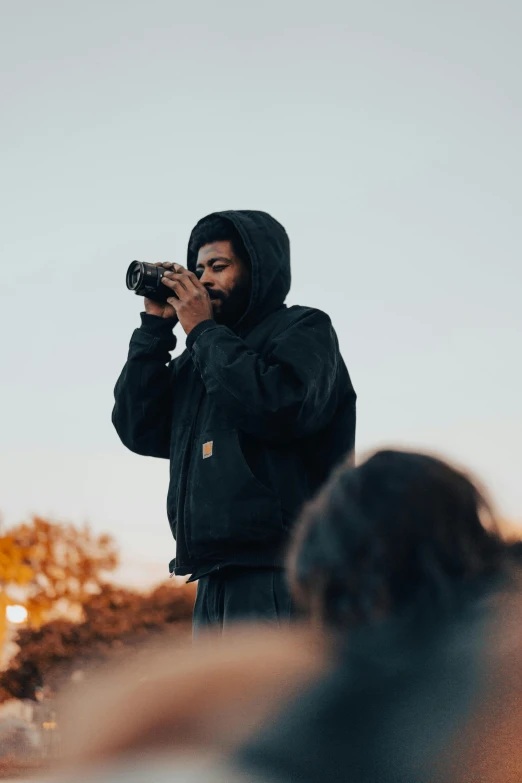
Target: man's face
227, 280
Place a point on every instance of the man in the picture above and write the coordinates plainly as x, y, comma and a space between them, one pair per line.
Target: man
253, 415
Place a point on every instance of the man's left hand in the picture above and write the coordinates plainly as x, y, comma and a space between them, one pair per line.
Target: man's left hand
192, 302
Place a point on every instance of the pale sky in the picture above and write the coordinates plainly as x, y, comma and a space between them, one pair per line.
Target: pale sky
384, 136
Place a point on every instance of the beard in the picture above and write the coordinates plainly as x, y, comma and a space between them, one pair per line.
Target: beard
229, 308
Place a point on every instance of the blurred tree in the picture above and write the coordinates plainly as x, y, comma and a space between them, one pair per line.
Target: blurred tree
55, 563
115, 619
14, 571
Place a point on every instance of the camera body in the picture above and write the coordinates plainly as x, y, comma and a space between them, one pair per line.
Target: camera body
146, 280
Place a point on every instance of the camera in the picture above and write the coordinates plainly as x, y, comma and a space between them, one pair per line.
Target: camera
145, 280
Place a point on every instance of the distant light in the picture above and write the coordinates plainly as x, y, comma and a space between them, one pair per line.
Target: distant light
16, 614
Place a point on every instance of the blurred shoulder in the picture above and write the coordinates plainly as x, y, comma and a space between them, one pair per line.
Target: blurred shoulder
164, 768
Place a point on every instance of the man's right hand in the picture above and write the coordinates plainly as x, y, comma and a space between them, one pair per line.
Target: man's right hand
160, 309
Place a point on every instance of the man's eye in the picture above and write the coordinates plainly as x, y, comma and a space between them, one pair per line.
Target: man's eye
218, 268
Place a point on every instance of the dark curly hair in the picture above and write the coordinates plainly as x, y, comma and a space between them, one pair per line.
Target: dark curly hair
217, 229
399, 533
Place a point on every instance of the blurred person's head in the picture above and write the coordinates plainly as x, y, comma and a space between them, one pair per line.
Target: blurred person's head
403, 552
441, 702
222, 260
401, 532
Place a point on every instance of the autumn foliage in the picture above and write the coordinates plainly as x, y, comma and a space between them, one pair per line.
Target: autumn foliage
57, 565
116, 621
76, 619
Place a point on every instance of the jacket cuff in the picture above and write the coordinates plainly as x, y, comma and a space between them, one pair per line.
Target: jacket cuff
157, 326
194, 333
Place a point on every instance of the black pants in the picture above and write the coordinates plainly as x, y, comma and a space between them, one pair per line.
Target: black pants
234, 595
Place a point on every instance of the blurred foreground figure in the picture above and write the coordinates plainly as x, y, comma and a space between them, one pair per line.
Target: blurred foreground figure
401, 557
419, 606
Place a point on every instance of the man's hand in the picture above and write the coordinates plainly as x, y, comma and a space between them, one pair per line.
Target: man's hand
160, 309
192, 303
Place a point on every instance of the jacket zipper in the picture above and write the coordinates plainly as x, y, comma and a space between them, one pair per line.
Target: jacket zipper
185, 485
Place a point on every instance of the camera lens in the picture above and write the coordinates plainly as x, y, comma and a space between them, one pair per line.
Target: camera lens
145, 280
134, 276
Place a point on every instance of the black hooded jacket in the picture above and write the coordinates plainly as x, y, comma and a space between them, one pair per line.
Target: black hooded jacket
252, 418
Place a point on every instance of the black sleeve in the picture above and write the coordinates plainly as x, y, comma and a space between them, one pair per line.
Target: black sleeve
142, 412
287, 393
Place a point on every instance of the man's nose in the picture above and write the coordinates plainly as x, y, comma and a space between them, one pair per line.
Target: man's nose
205, 280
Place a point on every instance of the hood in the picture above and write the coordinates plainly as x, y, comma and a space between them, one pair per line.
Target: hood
268, 247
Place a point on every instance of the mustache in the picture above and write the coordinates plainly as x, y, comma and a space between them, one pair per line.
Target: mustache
216, 296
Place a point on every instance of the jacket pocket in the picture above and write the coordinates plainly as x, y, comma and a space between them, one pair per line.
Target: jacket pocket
227, 504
